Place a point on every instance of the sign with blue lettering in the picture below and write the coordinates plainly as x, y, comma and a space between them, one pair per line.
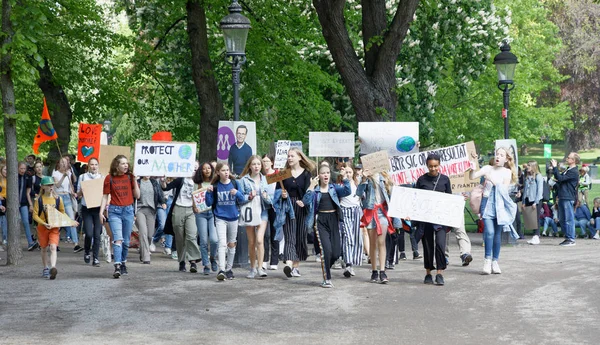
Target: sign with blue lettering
164, 158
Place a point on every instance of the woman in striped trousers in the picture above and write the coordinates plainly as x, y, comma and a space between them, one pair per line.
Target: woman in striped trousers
352, 240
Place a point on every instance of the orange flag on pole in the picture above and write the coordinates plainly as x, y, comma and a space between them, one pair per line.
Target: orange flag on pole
45, 130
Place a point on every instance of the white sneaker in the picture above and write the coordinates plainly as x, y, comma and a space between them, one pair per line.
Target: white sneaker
596, 236
496, 267
295, 272
487, 266
534, 240
152, 247
265, 265
174, 256
273, 267
252, 273
337, 265
262, 273
167, 251
351, 269
318, 258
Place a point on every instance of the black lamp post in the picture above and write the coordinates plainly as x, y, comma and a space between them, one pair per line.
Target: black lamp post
505, 65
235, 31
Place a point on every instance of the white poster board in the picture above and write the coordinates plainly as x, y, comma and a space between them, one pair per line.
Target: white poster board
281, 151
164, 158
398, 138
200, 199
427, 206
330, 144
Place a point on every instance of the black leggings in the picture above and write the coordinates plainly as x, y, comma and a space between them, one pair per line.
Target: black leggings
271, 245
93, 229
429, 244
328, 226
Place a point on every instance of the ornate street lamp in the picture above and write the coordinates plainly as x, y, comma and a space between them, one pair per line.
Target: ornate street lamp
505, 65
235, 31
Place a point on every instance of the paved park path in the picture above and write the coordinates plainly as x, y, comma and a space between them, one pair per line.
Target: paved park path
546, 295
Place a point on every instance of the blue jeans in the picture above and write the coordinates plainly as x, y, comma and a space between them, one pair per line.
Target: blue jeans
161, 216
120, 219
552, 223
205, 222
24, 210
4, 227
566, 216
596, 223
71, 230
492, 238
585, 226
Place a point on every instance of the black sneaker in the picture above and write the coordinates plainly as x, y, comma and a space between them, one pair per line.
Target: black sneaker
347, 272
567, 243
77, 249
390, 265
33, 246
182, 266
383, 277
221, 275
374, 277
402, 256
53, 272
96, 262
193, 267
428, 279
416, 255
466, 259
229, 275
86, 258
439, 279
124, 269
288, 271
117, 273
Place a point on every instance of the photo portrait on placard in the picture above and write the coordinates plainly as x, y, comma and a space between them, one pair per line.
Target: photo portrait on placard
236, 142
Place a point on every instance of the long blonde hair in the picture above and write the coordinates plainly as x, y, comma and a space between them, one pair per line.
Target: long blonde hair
534, 169
510, 164
305, 162
246, 170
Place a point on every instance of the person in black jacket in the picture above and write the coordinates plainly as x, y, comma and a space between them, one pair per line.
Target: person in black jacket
567, 194
151, 198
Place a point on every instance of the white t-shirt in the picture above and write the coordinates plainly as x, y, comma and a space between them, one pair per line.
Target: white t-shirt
65, 187
185, 195
350, 200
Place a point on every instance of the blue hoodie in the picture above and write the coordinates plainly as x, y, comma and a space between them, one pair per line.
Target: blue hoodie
227, 204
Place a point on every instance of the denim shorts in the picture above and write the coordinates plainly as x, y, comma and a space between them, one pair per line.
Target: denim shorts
264, 216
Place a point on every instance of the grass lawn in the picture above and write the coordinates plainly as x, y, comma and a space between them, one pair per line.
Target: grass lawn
536, 153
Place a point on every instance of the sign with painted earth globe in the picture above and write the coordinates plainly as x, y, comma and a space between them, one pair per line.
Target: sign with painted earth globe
405, 144
185, 152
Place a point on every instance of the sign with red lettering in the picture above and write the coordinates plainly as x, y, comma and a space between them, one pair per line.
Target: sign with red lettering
164, 158
89, 142
200, 199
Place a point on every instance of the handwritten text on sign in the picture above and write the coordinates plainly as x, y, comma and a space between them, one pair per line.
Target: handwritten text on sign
281, 150
427, 206
454, 161
279, 176
330, 144
376, 162
88, 145
164, 158
200, 199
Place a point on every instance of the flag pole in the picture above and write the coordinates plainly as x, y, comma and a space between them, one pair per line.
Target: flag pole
58, 147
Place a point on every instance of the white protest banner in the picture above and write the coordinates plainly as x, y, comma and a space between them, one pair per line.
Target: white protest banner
330, 144
454, 162
281, 150
375, 162
164, 158
427, 206
511, 145
398, 138
200, 199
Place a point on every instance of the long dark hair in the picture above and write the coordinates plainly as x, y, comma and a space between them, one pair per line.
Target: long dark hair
199, 175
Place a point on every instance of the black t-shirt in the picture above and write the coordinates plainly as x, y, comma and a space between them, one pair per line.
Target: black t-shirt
296, 186
24, 183
428, 182
35, 185
326, 203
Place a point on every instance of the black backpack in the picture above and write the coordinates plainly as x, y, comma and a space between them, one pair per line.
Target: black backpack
41, 205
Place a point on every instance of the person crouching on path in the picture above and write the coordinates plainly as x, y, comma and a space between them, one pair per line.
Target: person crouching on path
224, 195
120, 184
434, 247
322, 199
47, 235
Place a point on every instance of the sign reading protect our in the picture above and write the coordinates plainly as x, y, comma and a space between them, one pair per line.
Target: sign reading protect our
164, 158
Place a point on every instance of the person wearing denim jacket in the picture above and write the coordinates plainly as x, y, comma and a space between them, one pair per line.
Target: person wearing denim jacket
254, 185
325, 207
283, 209
375, 197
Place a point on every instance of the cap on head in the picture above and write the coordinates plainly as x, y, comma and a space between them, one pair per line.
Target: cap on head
47, 181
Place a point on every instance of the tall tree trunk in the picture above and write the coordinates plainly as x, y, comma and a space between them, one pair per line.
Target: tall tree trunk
60, 112
371, 88
209, 98
10, 139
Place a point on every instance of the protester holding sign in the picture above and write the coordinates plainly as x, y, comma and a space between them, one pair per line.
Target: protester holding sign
91, 216
47, 235
375, 190
121, 186
151, 199
205, 221
63, 176
271, 244
437, 182
352, 240
254, 187
497, 209
295, 230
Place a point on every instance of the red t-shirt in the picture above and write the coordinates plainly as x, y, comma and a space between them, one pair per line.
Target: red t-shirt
121, 191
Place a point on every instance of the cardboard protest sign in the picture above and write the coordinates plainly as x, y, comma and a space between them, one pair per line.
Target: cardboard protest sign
88, 145
93, 192
200, 199
454, 162
330, 144
281, 150
57, 219
398, 138
375, 162
236, 142
108, 153
427, 206
511, 145
164, 158
279, 176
